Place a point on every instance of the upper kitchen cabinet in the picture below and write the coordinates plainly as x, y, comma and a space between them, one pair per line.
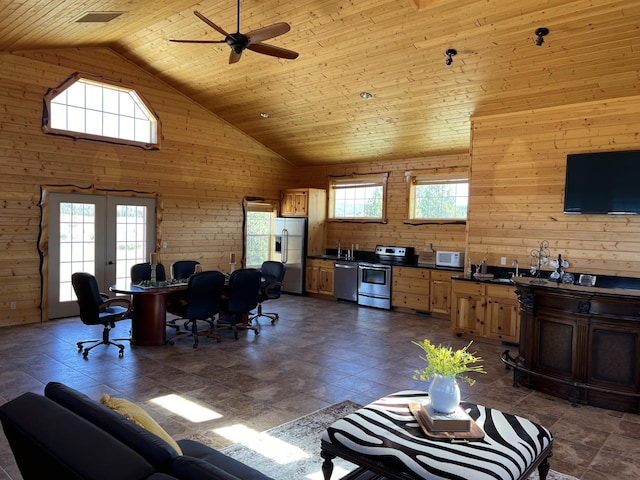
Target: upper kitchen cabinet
310, 203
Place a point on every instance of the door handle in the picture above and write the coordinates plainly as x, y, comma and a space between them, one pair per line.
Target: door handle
109, 262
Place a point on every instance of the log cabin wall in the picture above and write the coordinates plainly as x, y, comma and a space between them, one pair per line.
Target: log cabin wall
517, 187
201, 173
394, 232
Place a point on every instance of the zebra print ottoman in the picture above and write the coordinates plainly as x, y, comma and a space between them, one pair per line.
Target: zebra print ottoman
384, 438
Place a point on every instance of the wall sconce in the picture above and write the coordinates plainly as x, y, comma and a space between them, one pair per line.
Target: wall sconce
540, 34
450, 53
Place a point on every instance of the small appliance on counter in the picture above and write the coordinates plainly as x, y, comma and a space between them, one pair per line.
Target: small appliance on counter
450, 259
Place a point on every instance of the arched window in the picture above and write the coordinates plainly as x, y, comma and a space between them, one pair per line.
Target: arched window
84, 107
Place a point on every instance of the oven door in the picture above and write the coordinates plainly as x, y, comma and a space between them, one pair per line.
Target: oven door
374, 280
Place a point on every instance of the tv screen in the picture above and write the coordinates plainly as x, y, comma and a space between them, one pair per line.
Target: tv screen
603, 183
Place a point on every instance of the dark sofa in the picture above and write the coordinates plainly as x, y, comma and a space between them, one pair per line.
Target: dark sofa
66, 434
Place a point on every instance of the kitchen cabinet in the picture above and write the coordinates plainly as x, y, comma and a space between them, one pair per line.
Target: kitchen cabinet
485, 310
410, 288
319, 275
421, 289
440, 292
310, 203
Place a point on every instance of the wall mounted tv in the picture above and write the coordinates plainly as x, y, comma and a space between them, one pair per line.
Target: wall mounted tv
603, 183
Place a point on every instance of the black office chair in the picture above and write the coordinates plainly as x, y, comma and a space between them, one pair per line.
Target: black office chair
183, 269
142, 271
270, 287
98, 309
202, 302
242, 298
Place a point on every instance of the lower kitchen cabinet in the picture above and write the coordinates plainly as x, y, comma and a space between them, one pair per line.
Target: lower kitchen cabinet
440, 292
485, 311
410, 288
421, 289
319, 274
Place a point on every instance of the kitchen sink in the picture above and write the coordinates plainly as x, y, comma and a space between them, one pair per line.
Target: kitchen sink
501, 280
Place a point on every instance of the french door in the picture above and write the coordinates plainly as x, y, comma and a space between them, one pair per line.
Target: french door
98, 234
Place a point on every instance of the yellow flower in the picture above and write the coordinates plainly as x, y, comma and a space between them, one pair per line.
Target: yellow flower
447, 362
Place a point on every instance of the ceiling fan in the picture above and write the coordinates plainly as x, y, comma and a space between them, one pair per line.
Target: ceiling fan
252, 40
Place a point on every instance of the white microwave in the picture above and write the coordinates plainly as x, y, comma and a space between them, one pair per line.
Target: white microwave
450, 259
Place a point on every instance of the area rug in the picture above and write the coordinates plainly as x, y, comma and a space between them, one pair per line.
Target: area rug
292, 451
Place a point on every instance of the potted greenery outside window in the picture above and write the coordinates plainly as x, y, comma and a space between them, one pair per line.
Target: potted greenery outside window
445, 367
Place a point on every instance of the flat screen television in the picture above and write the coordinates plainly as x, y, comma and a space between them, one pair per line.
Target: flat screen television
603, 183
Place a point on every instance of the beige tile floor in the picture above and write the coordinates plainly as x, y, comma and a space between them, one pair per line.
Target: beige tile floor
319, 353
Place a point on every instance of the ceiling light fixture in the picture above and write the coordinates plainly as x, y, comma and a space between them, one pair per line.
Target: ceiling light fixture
264, 115
540, 34
450, 53
366, 95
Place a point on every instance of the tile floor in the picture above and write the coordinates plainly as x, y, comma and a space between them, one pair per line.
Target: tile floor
320, 352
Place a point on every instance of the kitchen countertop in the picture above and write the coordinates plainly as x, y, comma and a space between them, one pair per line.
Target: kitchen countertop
369, 259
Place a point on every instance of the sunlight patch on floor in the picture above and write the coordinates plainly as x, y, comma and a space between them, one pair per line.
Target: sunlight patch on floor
186, 408
263, 444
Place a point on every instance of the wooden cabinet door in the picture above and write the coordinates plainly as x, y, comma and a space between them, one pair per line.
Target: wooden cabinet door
313, 276
440, 292
287, 205
502, 319
469, 314
326, 274
300, 203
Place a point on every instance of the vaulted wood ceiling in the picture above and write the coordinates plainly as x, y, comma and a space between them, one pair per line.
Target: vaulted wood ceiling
394, 49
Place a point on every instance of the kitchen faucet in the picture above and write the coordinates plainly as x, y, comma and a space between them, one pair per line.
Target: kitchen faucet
517, 274
339, 249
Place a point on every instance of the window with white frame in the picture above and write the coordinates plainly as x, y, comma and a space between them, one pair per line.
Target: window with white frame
438, 195
358, 197
83, 107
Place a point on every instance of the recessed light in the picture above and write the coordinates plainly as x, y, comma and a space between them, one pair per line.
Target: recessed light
366, 95
264, 115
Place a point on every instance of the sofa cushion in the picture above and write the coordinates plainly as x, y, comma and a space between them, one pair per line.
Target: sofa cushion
190, 468
49, 441
139, 416
158, 452
230, 465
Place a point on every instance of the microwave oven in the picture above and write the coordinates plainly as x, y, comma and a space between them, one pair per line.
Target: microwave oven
450, 259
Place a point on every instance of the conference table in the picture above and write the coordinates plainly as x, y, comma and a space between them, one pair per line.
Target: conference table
148, 325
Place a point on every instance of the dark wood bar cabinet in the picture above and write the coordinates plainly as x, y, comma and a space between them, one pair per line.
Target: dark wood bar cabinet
580, 343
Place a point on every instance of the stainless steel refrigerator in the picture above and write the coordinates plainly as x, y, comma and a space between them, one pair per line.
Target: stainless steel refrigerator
290, 248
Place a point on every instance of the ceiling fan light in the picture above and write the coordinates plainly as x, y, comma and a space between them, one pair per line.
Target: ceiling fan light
264, 115
366, 95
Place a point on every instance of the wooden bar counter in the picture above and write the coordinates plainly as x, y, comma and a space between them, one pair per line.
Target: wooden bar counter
580, 343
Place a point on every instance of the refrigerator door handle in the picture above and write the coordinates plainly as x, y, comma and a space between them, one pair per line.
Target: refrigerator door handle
285, 245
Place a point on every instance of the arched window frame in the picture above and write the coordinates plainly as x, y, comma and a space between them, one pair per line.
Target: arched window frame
141, 118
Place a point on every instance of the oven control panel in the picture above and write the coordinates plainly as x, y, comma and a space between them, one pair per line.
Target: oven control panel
400, 252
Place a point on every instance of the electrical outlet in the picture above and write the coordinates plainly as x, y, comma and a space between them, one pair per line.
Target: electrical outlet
12, 306
164, 244
503, 260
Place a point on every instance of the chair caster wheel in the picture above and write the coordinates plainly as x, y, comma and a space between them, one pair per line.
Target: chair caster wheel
172, 343
85, 354
195, 345
121, 353
219, 340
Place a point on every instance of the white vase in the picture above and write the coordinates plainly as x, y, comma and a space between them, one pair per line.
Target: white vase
444, 393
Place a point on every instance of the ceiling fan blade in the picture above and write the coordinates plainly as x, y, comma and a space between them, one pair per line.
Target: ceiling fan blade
210, 23
265, 33
234, 57
198, 41
273, 51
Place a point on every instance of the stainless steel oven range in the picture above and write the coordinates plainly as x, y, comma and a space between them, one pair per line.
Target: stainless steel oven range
374, 278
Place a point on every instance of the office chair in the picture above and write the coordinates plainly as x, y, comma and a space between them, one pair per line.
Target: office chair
98, 309
202, 302
183, 269
142, 271
270, 287
242, 297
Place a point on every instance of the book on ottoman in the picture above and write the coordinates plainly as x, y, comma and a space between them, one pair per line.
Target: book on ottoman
456, 421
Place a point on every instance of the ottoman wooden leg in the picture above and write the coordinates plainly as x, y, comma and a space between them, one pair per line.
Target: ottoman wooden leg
543, 468
327, 465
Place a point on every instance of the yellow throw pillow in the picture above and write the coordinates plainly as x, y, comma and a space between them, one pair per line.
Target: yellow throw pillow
139, 416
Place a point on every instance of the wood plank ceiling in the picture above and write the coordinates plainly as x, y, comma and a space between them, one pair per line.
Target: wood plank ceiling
394, 49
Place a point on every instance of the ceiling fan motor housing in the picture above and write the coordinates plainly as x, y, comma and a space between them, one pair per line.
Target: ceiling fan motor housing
238, 42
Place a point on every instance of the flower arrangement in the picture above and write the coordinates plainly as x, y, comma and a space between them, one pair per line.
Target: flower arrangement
447, 362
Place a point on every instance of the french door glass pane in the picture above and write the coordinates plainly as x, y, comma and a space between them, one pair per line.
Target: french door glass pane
131, 239
77, 244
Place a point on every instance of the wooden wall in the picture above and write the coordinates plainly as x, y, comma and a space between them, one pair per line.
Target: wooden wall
394, 232
201, 173
517, 187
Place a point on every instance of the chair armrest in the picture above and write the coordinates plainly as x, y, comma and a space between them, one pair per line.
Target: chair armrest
267, 289
122, 301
